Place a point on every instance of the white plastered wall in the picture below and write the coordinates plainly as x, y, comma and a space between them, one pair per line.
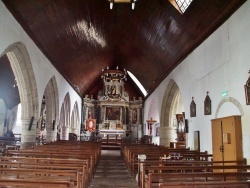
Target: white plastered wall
219, 64
11, 33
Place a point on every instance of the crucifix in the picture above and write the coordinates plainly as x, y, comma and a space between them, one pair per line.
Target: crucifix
150, 122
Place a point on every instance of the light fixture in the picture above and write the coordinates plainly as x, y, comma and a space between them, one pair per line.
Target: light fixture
122, 1
111, 4
15, 83
114, 75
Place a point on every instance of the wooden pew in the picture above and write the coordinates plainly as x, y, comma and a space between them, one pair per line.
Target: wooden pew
61, 155
74, 147
24, 183
214, 184
80, 177
73, 176
143, 165
194, 169
204, 179
70, 151
132, 151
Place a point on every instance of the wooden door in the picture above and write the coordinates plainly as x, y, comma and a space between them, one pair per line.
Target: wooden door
217, 140
227, 139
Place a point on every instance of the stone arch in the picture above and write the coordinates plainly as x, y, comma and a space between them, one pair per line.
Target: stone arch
170, 94
169, 107
65, 117
74, 119
62, 119
67, 106
62, 122
3, 112
23, 71
231, 100
22, 68
52, 109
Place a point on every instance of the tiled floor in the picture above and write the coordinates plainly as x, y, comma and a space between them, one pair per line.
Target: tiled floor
112, 172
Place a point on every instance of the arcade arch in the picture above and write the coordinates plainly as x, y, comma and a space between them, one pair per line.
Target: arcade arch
65, 118
172, 104
25, 78
74, 119
49, 111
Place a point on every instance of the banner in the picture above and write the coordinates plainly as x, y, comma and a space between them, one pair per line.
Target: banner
91, 125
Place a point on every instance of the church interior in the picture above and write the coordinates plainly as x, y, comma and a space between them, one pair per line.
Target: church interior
146, 88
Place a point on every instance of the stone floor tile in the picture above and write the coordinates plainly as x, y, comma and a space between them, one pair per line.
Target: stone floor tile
112, 172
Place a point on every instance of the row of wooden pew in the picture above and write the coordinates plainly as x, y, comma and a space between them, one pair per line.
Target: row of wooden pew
163, 167
131, 152
57, 164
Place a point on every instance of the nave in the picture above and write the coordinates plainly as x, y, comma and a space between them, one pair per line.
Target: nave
112, 172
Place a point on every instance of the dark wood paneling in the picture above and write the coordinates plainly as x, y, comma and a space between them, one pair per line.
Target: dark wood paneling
80, 37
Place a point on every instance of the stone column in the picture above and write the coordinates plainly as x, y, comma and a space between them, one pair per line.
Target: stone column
28, 137
74, 131
87, 113
124, 115
100, 114
51, 135
2, 126
139, 131
65, 133
167, 135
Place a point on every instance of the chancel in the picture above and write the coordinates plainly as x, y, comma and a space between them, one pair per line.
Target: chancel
114, 107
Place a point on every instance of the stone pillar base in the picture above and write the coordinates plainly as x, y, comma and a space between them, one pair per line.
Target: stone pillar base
28, 137
65, 133
167, 135
51, 135
25, 145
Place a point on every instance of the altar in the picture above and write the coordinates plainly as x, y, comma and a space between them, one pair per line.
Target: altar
112, 133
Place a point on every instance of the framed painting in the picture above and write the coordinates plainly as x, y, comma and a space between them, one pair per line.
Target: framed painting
134, 116
247, 91
207, 105
113, 113
157, 129
91, 125
192, 108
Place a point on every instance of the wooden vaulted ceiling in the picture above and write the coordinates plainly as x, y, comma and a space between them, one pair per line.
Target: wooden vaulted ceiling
81, 37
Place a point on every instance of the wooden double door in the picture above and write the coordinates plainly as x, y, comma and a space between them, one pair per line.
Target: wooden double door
227, 139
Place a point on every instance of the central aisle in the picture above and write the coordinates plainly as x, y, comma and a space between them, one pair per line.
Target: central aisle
112, 172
